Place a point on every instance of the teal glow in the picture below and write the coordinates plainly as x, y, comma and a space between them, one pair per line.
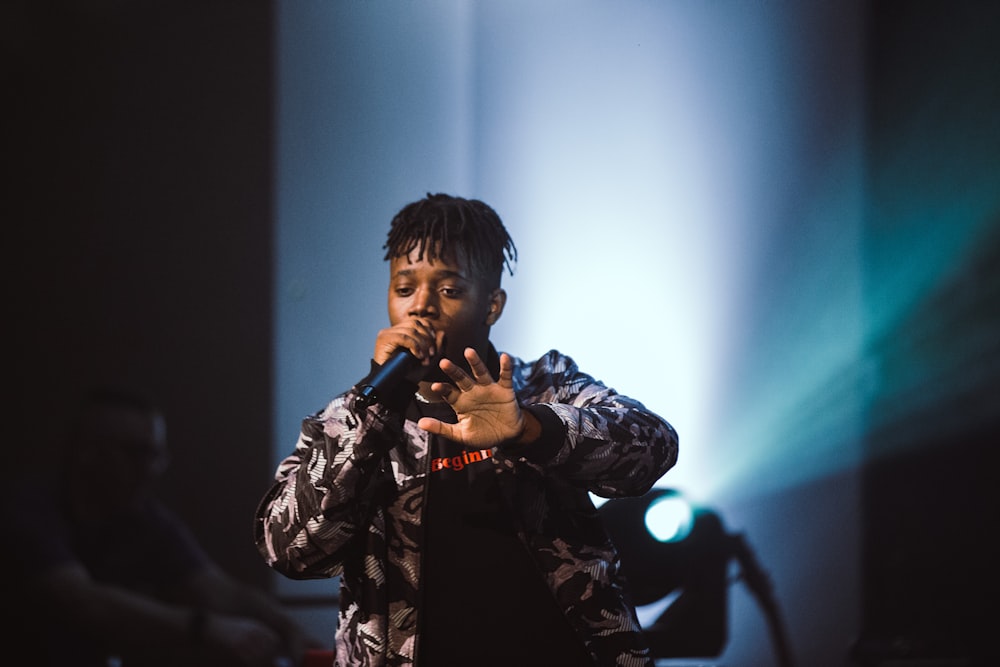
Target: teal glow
669, 518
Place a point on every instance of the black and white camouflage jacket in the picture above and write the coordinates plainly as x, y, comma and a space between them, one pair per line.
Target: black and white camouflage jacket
348, 502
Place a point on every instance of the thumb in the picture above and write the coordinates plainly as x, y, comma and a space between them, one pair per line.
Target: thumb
435, 426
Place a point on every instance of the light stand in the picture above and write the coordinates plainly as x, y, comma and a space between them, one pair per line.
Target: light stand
693, 566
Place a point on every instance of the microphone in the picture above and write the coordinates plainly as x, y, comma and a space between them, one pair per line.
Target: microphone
385, 379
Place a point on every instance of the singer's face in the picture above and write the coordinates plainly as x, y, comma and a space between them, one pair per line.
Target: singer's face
446, 294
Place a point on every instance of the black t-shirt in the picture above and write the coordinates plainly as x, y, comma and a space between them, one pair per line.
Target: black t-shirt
484, 599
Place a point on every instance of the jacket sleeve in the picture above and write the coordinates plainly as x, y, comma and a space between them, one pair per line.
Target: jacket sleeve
326, 490
591, 435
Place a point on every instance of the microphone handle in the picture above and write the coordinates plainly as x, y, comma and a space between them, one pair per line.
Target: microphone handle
392, 372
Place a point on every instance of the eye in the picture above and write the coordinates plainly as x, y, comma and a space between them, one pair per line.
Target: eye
452, 292
403, 290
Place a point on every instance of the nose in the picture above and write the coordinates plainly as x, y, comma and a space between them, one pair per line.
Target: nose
424, 303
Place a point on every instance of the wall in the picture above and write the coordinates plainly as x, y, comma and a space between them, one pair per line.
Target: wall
735, 211
684, 184
138, 243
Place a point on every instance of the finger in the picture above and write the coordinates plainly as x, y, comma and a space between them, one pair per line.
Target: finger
435, 426
478, 367
443, 389
458, 376
506, 370
426, 330
424, 337
408, 338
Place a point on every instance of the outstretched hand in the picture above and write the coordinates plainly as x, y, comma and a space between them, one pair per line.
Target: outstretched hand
487, 411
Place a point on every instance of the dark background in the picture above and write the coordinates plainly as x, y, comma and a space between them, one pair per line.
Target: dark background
139, 245
931, 500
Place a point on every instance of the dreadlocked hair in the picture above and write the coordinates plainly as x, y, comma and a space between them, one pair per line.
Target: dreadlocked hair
440, 223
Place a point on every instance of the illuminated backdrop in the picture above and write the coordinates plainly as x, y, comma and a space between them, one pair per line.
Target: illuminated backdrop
685, 185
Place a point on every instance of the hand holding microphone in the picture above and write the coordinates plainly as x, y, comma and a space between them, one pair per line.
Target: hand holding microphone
401, 351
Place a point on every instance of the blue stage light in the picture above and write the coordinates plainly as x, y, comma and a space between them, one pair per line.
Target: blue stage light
676, 558
669, 517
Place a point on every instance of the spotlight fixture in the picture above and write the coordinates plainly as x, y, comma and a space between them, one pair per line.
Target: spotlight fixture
675, 552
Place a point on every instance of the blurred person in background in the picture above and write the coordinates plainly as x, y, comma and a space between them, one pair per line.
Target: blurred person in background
103, 574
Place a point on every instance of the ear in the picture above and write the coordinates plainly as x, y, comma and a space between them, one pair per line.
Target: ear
498, 299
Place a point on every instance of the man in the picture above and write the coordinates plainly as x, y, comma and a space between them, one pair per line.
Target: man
455, 506
101, 573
